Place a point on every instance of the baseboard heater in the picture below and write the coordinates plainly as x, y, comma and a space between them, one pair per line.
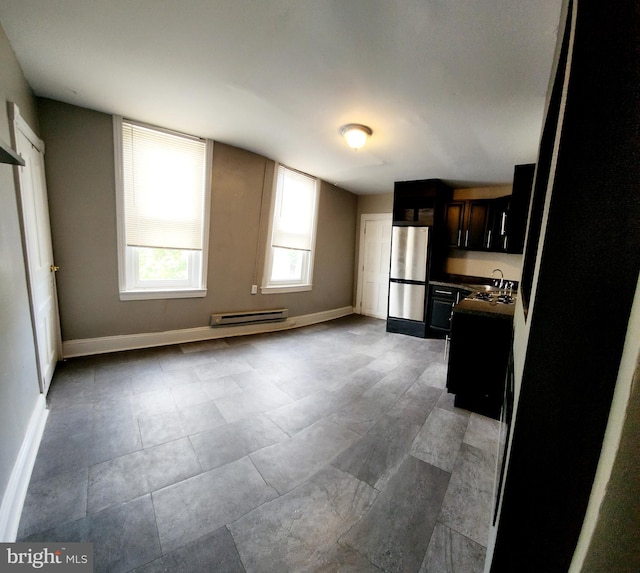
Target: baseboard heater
249, 317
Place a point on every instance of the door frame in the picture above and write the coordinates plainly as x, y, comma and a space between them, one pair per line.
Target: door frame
18, 123
360, 280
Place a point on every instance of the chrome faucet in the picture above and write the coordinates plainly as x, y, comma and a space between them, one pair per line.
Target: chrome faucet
493, 272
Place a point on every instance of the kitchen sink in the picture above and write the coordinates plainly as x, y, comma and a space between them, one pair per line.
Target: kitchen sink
487, 288
495, 296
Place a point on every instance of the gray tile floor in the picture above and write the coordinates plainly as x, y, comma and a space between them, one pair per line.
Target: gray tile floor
328, 448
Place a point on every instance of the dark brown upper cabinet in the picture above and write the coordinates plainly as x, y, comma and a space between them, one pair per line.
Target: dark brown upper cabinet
519, 207
454, 217
497, 225
498, 238
419, 202
467, 224
477, 224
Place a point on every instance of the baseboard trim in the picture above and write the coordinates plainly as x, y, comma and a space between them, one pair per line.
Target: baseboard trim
16, 492
102, 345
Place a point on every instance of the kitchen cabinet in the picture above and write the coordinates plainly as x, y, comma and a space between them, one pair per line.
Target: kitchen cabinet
454, 217
519, 207
467, 223
479, 348
442, 300
497, 225
497, 238
477, 224
508, 215
419, 202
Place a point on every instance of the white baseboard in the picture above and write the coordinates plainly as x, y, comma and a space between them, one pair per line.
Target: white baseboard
90, 346
14, 495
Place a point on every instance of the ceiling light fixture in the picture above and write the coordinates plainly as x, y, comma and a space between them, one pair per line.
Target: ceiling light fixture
356, 135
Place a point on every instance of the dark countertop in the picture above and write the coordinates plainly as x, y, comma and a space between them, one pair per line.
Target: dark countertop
475, 284
483, 308
447, 284
468, 286
468, 282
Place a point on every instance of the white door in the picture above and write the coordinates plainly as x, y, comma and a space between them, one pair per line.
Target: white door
38, 249
373, 278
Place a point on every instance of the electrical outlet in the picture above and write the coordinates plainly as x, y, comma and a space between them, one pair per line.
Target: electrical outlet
254, 289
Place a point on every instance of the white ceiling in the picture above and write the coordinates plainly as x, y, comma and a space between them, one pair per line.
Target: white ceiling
453, 89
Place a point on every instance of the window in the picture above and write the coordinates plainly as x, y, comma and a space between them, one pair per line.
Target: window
289, 260
163, 206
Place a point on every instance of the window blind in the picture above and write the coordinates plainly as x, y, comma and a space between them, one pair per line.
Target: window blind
164, 188
294, 210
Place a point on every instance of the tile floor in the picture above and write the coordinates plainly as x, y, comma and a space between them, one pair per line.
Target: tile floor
328, 448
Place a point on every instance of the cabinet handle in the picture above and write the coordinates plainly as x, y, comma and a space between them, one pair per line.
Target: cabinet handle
466, 238
489, 239
459, 236
442, 291
502, 223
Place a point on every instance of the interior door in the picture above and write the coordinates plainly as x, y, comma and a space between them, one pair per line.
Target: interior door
375, 255
38, 250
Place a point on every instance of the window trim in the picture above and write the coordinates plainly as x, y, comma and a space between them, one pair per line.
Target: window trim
127, 291
277, 287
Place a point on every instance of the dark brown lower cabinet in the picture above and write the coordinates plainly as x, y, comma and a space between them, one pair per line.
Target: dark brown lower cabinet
442, 299
478, 360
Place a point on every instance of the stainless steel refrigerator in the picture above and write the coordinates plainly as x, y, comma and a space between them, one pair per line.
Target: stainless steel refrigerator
408, 273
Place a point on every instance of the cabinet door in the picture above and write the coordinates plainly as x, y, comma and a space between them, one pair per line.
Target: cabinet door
442, 300
476, 373
497, 234
476, 228
441, 314
519, 210
453, 214
414, 201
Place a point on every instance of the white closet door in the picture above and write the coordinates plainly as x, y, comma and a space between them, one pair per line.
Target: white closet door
376, 241
38, 251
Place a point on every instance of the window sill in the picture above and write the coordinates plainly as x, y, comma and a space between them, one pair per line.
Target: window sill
162, 294
284, 289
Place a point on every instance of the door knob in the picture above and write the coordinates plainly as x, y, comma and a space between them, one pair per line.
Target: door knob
54, 268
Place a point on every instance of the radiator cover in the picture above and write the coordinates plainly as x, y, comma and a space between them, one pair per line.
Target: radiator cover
249, 317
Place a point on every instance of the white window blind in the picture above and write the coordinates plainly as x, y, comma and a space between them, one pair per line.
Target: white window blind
164, 188
294, 211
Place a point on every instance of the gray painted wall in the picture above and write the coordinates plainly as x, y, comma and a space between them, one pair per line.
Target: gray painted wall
370, 204
81, 182
18, 375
